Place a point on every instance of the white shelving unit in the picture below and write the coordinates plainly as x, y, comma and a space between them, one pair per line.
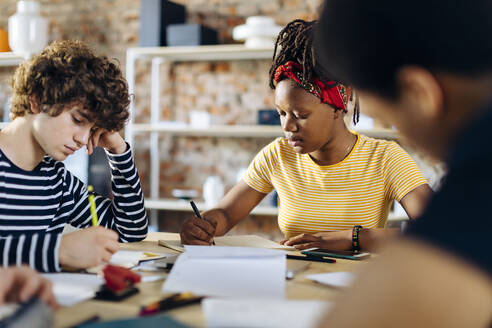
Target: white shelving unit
10, 59
159, 55
239, 131
172, 204
184, 206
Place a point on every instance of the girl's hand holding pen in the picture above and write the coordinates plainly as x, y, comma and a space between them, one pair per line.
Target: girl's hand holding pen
198, 231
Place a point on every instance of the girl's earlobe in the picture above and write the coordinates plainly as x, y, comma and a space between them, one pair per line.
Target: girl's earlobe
336, 114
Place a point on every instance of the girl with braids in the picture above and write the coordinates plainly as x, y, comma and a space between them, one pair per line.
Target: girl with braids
335, 186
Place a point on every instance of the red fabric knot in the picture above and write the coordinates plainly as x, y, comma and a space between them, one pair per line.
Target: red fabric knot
330, 92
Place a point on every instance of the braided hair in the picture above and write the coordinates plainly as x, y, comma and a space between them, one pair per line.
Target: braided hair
295, 43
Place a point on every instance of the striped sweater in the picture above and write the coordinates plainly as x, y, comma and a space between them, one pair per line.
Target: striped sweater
36, 205
359, 190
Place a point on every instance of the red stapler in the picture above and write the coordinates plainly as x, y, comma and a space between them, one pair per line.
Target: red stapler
119, 284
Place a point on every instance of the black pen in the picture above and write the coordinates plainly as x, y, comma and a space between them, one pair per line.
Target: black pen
197, 213
311, 258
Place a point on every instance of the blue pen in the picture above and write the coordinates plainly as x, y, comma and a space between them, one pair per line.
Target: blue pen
197, 213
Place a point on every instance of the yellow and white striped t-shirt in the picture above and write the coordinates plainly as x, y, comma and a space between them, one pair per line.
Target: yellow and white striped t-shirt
358, 190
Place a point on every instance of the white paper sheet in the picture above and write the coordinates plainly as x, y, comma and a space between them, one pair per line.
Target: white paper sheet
228, 271
250, 241
335, 279
262, 313
172, 244
72, 288
7, 309
236, 241
230, 252
127, 259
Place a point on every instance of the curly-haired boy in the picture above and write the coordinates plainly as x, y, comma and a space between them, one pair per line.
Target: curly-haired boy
63, 99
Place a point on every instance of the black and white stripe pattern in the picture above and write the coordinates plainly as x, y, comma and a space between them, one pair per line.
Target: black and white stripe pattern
35, 206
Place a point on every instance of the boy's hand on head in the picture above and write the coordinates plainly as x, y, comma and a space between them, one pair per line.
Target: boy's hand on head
19, 284
335, 240
88, 247
196, 231
112, 141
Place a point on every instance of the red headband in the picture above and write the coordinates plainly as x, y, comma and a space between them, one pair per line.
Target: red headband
331, 94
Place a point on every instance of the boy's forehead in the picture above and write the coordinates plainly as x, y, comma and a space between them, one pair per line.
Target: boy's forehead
80, 108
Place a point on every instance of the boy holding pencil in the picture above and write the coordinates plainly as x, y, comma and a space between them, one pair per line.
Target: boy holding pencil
63, 99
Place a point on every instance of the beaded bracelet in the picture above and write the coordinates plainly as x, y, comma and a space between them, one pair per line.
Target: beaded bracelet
355, 238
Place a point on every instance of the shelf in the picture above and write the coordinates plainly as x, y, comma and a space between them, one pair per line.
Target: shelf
252, 131
201, 53
171, 204
184, 206
387, 134
159, 55
10, 59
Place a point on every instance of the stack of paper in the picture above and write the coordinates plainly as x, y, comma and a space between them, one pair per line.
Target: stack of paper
228, 271
72, 288
236, 241
334, 279
126, 259
263, 313
250, 241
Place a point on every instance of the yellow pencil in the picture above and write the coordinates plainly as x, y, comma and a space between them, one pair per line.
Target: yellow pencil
92, 204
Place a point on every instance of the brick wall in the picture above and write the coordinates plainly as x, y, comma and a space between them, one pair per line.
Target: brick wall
111, 26
231, 91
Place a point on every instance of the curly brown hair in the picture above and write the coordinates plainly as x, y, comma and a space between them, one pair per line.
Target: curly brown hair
68, 72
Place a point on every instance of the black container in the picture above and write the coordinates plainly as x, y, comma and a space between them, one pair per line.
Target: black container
190, 35
155, 16
100, 172
268, 117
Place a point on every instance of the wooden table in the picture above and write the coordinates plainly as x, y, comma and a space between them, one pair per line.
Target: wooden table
297, 288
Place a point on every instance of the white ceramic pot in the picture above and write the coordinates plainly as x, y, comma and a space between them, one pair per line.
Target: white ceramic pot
28, 30
258, 32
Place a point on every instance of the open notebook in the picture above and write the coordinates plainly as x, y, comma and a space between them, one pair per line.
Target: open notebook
237, 241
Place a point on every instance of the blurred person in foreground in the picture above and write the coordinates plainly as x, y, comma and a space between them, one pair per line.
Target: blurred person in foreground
427, 67
19, 284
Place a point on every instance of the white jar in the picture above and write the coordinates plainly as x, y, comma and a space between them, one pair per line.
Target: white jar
259, 31
213, 190
28, 30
